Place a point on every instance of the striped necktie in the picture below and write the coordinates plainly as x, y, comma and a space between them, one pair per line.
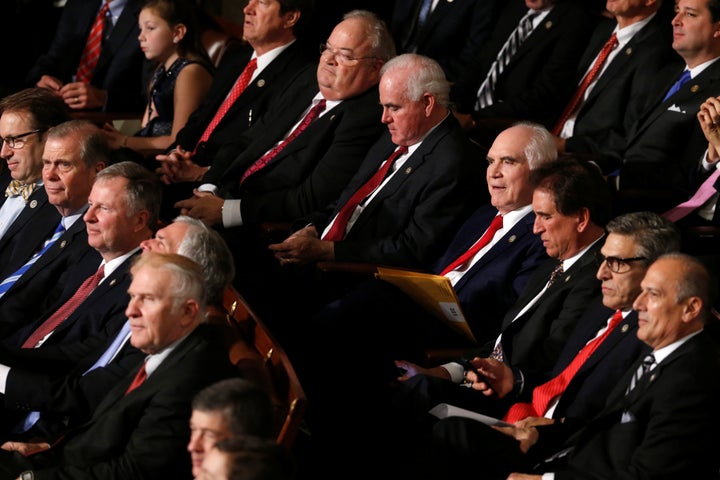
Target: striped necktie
644, 367
10, 280
507, 52
91, 53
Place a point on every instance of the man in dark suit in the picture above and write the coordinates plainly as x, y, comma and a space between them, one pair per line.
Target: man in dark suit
140, 429
537, 80
408, 215
271, 29
450, 32
592, 360
654, 162
647, 428
116, 84
74, 152
283, 172
62, 383
597, 117
25, 117
123, 212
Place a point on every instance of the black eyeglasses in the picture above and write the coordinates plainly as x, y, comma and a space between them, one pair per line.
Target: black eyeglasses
16, 142
340, 57
620, 265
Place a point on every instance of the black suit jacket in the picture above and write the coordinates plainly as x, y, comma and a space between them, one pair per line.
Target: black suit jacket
533, 341
587, 392
664, 429
143, 434
36, 222
43, 283
453, 33
102, 311
250, 105
312, 170
611, 108
538, 81
655, 158
412, 217
119, 70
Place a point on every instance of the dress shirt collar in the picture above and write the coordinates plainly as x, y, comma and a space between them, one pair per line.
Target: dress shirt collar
569, 262
624, 35
697, 70
266, 58
152, 362
662, 353
113, 264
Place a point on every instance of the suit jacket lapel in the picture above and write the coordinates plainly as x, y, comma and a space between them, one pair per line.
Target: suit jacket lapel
126, 23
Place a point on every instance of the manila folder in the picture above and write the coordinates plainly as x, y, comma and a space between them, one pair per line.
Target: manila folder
444, 410
433, 292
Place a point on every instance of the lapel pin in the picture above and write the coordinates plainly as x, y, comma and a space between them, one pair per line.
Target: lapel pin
548, 25
695, 88
33, 203
512, 238
628, 51
261, 83
625, 328
332, 117
113, 281
63, 243
653, 376
408, 170
567, 279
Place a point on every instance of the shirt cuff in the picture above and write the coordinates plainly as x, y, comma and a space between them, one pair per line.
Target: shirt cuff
4, 372
231, 214
208, 187
548, 476
456, 371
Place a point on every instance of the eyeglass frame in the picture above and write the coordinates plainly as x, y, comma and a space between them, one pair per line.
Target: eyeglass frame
11, 140
621, 262
348, 60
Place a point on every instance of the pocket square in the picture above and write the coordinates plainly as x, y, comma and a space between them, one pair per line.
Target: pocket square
627, 417
675, 108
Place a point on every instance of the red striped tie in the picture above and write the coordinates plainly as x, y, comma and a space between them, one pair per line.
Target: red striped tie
495, 225
91, 54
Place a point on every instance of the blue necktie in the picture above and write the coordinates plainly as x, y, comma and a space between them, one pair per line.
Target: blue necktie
12, 278
684, 78
113, 349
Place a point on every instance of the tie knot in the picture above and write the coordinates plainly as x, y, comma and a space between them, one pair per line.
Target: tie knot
16, 188
648, 361
616, 318
612, 41
557, 271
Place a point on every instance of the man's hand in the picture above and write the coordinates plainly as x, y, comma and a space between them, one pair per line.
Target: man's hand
534, 422
115, 138
177, 166
709, 118
411, 370
303, 247
204, 206
496, 378
526, 436
523, 476
83, 96
50, 82
25, 448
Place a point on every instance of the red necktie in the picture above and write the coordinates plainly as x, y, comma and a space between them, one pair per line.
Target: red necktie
265, 159
140, 377
240, 84
576, 100
545, 393
495, 225
91, 53
66, 309
337, 231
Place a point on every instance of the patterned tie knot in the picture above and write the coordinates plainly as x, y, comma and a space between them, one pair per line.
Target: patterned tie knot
16, 188
557, 271
647, 363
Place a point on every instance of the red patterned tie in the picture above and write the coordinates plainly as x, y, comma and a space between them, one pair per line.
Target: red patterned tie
237, 89
495, 225
138, 380
545, 393
91, 54
265, 159
66, 309
337, 231
576, 100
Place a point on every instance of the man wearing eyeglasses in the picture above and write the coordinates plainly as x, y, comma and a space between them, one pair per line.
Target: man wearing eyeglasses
25, 211
601, 348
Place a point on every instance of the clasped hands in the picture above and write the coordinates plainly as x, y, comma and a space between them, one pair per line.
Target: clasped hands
77, 95
709, 118
204, 206
177, 166
303, 247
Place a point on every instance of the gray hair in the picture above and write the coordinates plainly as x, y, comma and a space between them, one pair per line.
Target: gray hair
143, 191
381, 42
653, 234
541, 147
93, 145
424, 75
207, 247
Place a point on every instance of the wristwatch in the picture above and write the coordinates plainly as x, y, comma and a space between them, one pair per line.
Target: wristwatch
27, 475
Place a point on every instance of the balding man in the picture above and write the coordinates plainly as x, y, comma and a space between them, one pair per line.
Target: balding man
140, 428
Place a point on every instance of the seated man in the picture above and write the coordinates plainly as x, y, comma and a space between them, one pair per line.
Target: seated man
140, 428
302, 153
63, 383
646, 429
